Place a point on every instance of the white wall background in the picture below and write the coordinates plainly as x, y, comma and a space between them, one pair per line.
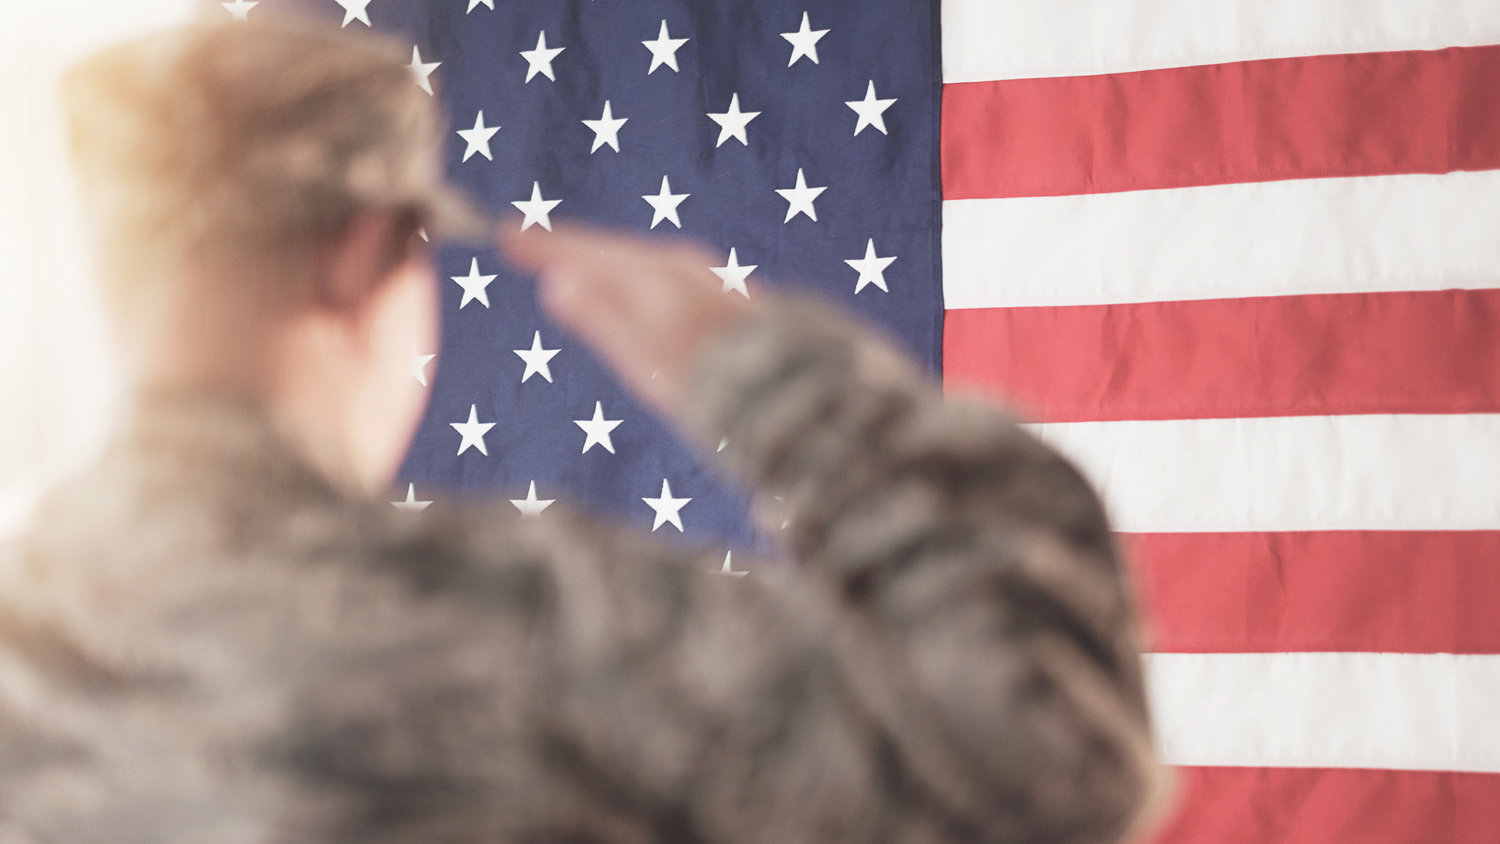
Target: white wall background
56, 379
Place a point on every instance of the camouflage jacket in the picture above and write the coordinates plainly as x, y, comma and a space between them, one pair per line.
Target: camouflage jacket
203, 640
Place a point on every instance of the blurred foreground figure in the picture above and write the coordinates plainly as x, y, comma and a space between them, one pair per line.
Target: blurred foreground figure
223, 633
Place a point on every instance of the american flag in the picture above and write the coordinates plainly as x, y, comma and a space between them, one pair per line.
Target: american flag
1237, 257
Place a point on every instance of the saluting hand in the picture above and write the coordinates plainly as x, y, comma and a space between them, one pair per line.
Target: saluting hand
648, 307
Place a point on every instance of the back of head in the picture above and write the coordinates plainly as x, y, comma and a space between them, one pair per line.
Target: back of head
206, 150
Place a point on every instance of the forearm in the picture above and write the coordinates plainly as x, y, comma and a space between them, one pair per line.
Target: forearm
988, 625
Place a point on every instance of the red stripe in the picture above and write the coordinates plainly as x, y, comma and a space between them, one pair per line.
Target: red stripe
1332, 806
1423, 352
1343, 115
1382, 591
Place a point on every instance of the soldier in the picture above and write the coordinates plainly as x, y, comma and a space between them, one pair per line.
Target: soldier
222, 632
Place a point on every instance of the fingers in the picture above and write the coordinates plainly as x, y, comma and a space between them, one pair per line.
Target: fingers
537, 248
578, 300
585, 246
647, 305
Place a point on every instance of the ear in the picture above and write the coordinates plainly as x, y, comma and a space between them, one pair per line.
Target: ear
361, 259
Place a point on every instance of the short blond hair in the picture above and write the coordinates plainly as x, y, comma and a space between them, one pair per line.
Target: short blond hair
214, 144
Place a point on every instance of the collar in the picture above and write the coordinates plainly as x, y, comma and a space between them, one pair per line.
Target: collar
208, 434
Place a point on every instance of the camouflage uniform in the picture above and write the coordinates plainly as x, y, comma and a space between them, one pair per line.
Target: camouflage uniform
203, 640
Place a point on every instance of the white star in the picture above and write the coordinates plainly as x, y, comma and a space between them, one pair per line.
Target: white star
598, 429
668, 509
665, 204
411, 503
800, 198
240, 9
870, 110
537, 209
422, 71
804, 41
473, 432
871, 268
538, 360
733, 275
474, 4
478, 138
419, 367
540, 59
355, 10
606, 129
732, 123
531, 505
728, 566
475, 285
663, 50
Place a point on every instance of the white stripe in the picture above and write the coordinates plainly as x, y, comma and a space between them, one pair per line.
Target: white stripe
1418, 232
1433, 712
1015, 39
1404, 472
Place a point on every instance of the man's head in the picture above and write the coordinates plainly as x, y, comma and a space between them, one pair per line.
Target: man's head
254, 193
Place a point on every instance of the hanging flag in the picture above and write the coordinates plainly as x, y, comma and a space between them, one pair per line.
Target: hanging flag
1239, 259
